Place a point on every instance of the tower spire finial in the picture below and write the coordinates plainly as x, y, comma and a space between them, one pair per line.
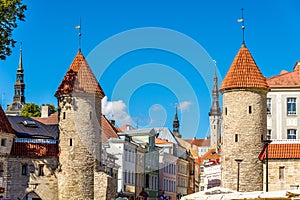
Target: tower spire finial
20, 59
79, 34
243, 26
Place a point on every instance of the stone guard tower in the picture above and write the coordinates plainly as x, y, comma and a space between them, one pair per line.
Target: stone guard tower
79, 101
244, 90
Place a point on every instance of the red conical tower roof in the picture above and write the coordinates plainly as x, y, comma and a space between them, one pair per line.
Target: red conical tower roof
5, 126
244, 73
79, 78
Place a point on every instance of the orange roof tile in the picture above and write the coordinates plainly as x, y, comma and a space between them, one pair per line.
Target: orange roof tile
108, 129
52, 119
5, 126
161, 141
281, 150
211, 154
199, 142
286, 79
79, 78
243, 73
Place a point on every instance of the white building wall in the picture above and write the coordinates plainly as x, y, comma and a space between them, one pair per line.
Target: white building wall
279, 121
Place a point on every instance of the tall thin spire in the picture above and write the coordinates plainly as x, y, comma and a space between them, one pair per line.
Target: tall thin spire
215, 108
20, 59
19, 95
243, 26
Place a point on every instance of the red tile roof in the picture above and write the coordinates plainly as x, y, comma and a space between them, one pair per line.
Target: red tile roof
286, 79
281, 150
79, 78
5, 126
210, 155
108, 129
199, 142
52, 119
244, 73
34, 149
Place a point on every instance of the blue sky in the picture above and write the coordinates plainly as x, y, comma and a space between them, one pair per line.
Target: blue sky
150, 56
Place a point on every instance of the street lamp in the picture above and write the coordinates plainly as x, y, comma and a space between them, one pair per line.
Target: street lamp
238, 174
267, 142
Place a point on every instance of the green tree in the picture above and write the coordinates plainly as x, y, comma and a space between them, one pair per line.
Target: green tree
52, 108
10, 12
31, 110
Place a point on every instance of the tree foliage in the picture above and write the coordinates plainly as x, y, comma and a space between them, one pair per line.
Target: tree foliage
10, 12
31, 110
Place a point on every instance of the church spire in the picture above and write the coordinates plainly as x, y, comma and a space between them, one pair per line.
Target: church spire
176, 125
215, 107
20, 59
19, 87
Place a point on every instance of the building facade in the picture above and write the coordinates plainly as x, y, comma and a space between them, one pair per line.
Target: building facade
283, 105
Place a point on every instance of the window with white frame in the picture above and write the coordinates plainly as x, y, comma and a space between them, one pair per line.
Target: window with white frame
291, 134
269, 106
291, 106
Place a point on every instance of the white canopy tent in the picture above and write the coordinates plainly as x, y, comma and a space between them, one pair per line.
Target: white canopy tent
219, 193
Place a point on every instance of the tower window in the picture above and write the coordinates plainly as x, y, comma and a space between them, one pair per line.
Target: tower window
250, 109
225, 110
71, 142
90, 115
281, 172
236, 139
24, 169
41, 170
3, 142
64, 115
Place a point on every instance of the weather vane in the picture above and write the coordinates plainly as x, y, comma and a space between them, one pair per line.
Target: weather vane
79, 34
243, 25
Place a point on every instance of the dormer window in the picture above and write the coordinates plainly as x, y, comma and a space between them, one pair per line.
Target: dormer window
29, 123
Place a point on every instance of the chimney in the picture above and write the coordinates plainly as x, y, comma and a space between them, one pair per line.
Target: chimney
45, 111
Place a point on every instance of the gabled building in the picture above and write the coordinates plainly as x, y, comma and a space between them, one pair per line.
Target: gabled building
146, 136
30, 152
167, 169
283, 165
210, 164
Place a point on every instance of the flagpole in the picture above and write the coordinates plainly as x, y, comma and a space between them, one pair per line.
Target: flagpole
243, 26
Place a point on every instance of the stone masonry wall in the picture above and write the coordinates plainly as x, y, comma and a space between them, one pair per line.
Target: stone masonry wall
105, 187
80, 146
251, 130
291, 175
20, 184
